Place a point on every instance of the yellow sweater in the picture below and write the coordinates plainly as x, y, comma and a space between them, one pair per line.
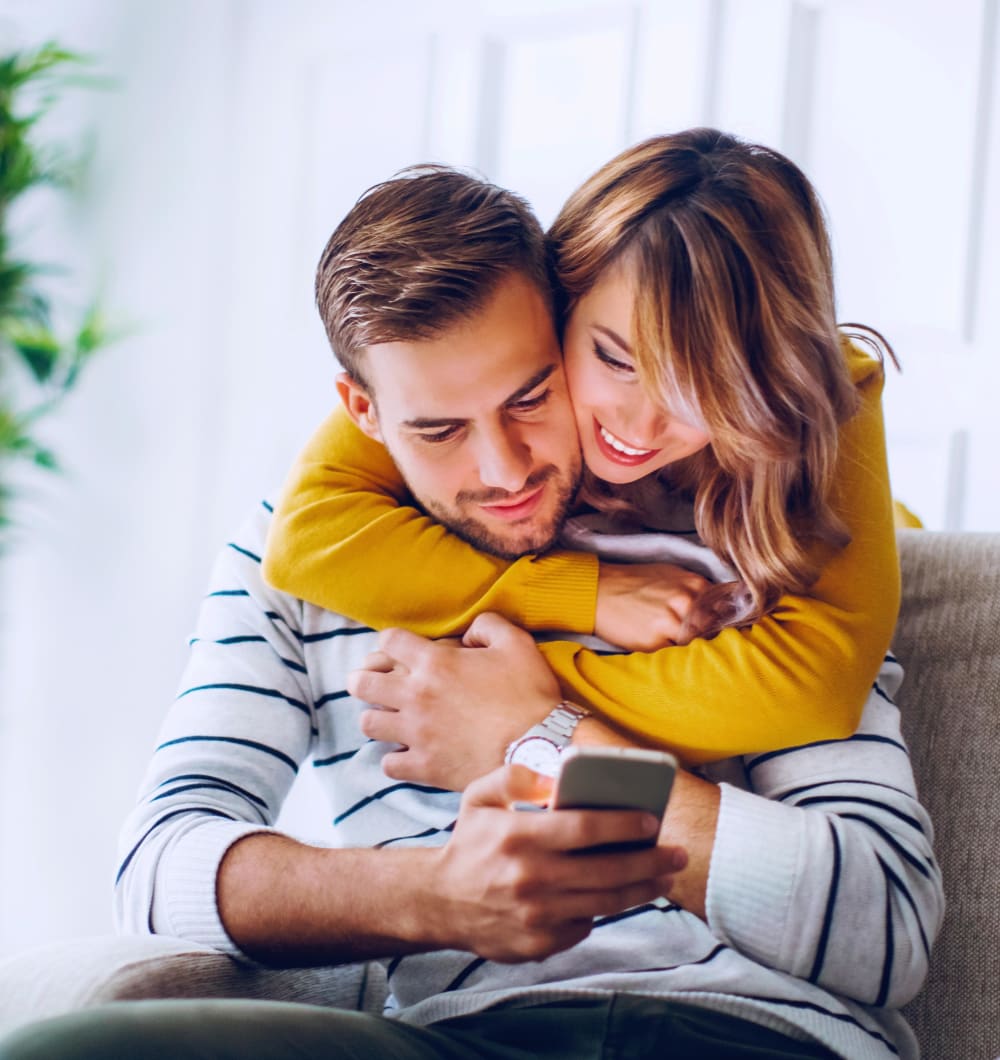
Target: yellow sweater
346, 537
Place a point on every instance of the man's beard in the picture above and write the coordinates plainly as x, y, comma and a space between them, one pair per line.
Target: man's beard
510, 546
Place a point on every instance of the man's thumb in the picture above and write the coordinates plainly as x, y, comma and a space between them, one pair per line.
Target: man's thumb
509, 785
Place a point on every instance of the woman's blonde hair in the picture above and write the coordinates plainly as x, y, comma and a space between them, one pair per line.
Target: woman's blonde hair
734, 322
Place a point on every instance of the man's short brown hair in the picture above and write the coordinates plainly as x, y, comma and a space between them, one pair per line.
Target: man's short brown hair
419, 253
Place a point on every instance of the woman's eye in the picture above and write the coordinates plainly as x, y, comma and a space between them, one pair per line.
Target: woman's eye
612, 362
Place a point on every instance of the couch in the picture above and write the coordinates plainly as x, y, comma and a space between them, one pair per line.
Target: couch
948, 640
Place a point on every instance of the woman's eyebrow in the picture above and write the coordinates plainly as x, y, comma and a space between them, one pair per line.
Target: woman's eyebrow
614, 336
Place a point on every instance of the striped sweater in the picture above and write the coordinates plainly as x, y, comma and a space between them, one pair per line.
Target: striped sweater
823, 894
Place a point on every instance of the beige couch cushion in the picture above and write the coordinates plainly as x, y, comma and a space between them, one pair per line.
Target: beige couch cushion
948, 640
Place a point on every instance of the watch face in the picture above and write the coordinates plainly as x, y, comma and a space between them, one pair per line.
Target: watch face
538, 754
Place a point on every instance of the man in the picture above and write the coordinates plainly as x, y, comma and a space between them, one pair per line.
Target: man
507, 935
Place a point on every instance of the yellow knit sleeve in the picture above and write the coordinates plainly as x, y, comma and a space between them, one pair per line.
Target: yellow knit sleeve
803, 672
346, 536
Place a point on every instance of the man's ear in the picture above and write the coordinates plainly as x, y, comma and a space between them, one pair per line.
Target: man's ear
360, 406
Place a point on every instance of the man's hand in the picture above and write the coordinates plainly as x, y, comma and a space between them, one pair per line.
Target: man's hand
520, 886
642, 606
454, 706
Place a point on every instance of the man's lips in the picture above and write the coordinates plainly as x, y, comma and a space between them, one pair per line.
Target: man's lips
619, 452
519, 508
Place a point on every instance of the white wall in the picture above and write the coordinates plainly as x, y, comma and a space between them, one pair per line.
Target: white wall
242, 130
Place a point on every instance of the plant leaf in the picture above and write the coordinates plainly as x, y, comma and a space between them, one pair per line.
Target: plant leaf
39, 349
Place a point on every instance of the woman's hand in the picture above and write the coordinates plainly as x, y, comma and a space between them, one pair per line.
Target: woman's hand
642, 606
454, 706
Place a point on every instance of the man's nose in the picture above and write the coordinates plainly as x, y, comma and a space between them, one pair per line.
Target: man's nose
504, 461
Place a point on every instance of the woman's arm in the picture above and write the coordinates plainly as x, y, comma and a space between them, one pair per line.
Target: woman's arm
798, 675
801, 673
347, 537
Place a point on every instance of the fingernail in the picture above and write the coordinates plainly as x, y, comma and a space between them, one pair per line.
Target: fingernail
650, 824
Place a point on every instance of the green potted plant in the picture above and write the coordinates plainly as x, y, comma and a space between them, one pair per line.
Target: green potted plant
44, 343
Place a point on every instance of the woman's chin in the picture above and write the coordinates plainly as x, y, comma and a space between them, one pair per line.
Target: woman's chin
617, 474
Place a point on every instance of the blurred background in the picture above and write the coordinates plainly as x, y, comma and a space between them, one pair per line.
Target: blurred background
230, 138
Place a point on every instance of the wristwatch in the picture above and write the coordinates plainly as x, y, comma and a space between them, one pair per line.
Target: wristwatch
541, 746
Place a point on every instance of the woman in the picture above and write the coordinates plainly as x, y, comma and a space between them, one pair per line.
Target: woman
708, 377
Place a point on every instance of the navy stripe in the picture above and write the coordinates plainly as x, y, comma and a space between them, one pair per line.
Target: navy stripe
890, 839
228, 592
329, 698
831, 902
626, 914
243, 639
905, 817
710, 956
243, 551
904, 891
271, 693
845, 780
312, 638
459, 979
856, 738
268, 507
843, 1017
202, 787
152, 828
255, 638
417, 835
884, 695
890, 950
407, 786
333, 759
638, 910
234, 788
290, 762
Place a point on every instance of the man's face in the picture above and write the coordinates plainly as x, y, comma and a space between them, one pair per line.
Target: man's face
479, 423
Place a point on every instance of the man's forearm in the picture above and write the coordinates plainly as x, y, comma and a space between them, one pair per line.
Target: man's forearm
285, 903
506, 885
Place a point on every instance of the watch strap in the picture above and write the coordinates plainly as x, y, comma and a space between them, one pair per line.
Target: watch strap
557, 727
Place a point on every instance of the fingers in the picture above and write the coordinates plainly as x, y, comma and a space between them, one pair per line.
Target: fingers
403, 646
488, 629
374, 686
581, 830
382, 724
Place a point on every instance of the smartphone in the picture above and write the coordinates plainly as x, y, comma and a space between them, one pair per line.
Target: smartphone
615, 778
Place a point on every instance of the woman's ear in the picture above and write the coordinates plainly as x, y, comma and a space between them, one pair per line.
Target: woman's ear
360, 406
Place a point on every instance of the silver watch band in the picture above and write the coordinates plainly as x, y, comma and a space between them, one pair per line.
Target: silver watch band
561, 722
557, 727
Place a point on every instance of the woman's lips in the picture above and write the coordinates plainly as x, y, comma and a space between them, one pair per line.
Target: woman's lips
614, 449
520, 509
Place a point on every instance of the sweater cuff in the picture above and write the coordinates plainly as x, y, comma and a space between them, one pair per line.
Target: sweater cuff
755, 866
186, 905
561, 592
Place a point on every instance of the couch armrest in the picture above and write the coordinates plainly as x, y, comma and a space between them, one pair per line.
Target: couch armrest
65, 976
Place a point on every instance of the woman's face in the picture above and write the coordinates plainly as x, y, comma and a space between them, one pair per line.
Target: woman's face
624, 434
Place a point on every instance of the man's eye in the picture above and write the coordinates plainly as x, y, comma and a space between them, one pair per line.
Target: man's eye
531, 403
443, 435
612, 362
